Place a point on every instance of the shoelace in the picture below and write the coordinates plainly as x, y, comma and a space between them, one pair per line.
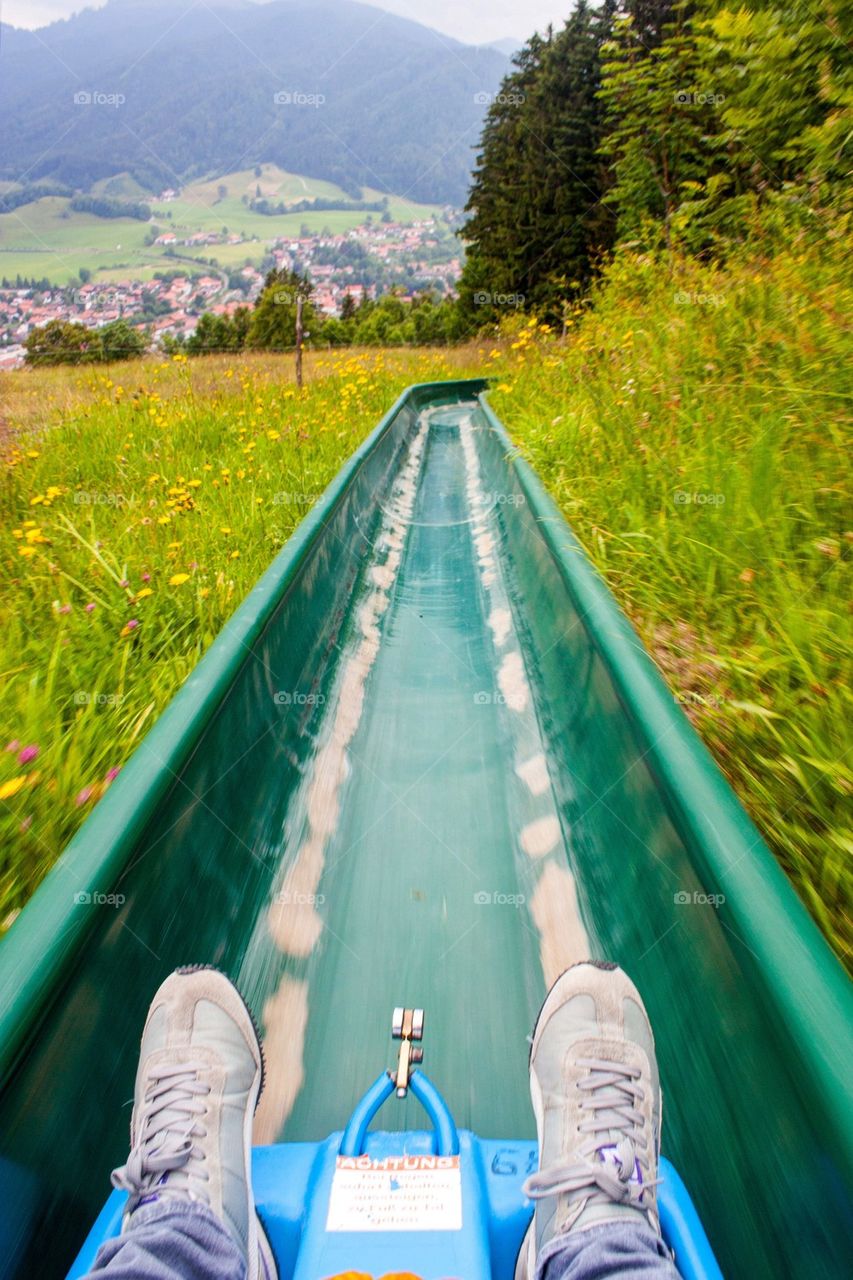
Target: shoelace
589, 1175
167, 1129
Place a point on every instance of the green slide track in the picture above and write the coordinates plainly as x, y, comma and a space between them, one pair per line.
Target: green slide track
428, 762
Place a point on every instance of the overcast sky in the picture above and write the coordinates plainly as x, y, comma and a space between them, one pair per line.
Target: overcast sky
475, 21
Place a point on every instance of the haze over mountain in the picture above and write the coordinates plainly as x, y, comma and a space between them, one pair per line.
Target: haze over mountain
509, 45
168, 91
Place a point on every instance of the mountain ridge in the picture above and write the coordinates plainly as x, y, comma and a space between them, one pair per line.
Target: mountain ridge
338, 90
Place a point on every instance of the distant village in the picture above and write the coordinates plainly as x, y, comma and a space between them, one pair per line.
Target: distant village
365, 261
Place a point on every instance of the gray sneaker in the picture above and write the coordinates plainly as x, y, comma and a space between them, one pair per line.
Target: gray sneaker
199, 1079
597, 1100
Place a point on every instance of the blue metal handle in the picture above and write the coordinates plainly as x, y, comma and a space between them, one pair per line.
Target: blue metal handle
446, 1136
447, 1139
352, 1143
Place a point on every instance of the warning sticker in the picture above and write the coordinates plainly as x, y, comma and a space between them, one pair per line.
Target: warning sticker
400, 1193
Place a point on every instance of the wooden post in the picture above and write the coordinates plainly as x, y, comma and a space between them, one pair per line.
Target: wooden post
299, 337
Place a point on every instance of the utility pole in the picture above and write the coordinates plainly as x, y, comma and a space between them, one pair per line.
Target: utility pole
299, 337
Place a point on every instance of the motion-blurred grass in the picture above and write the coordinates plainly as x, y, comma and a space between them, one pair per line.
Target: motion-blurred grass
691, 424
139, 505
694, 427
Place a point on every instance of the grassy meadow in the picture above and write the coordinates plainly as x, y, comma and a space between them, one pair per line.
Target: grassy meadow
47, 238
691, 424
139, 505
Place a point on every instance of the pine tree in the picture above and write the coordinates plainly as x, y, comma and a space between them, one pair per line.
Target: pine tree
649, 18
537, 222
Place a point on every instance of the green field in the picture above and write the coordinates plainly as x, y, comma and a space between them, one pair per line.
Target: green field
693, 425
47, 239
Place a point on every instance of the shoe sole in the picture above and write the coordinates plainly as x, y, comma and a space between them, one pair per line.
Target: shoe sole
259, 1249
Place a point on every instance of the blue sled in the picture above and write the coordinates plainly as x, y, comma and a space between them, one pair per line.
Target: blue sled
444, 1205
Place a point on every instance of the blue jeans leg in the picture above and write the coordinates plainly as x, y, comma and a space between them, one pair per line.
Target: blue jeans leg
615, 1251
171, 1240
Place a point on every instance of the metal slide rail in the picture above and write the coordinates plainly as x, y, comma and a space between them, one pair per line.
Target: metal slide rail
636, 831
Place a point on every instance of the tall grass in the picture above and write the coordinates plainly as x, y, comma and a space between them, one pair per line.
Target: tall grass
692, 424
694, 427
139, 505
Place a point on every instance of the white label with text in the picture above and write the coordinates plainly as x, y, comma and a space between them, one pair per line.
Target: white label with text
400, 1193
